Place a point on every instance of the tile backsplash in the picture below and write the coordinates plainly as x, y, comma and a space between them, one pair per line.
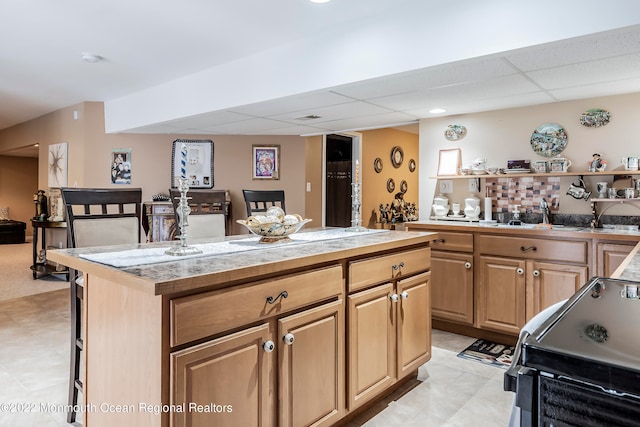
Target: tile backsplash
527, 192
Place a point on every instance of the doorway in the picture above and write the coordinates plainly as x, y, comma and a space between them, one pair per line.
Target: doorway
338, 178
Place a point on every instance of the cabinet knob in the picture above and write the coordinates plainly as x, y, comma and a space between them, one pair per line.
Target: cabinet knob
268, 346
288, 338
467, 265
394, 297
520, 271
404, 294
536, 273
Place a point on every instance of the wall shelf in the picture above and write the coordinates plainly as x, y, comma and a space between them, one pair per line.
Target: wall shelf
517, 175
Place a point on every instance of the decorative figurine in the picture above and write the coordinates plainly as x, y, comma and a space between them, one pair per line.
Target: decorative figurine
598, 164
384, 213
42, 209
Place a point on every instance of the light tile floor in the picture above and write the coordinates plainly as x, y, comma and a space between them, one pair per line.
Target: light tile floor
34, 366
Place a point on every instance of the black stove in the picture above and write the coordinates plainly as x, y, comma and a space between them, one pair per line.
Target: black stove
581, 367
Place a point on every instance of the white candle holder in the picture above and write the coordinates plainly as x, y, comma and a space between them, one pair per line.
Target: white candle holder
356, 221
183, 215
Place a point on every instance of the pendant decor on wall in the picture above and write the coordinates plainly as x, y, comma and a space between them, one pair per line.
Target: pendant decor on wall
412, 165
391, 185
455, 132
549, 139
595, 118
377, 165
397, 156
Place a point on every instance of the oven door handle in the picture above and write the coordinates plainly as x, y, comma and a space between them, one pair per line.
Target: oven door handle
511, 375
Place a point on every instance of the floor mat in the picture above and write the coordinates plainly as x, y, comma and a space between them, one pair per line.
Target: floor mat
489, 353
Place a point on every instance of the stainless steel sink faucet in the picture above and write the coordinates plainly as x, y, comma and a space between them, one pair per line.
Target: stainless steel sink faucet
544, 207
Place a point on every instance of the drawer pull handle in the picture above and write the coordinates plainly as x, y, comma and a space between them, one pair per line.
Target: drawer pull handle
520, 271
530, 248
467, 265
394, 297
268, 346
272, 300
288, 338
536, 273
397, 266
404, 294
438, 241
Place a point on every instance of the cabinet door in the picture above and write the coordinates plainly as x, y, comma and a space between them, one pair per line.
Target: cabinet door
414, 323
452, 286
500, 297
372, 343
551, 283
311, 368
232, 372
610, 256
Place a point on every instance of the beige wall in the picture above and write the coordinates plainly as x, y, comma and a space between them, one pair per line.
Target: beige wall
505, 134
18, 184
89, 157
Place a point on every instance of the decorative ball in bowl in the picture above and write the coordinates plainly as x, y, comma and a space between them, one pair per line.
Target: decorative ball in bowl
275, 226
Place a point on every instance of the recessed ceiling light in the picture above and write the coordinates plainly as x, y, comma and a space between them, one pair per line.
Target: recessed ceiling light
437, 110
319, 1
91, 57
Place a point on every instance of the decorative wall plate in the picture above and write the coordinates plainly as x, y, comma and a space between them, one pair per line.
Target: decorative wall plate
412, 165
455, 132
391, 185
549, 139
377, 165
595, 117
403, 186
397, 156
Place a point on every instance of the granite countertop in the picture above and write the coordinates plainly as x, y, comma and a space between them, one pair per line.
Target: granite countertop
180, 274
617, 233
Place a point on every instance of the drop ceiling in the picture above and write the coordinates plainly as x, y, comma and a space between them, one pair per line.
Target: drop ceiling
254, 67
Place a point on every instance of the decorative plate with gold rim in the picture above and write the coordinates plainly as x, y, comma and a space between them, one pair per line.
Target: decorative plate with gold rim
377, 165
549, 139
397, 156
455, 132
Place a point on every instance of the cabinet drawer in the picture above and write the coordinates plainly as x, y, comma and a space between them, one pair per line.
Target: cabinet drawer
448, 241
388, 267
198, 316
551, 250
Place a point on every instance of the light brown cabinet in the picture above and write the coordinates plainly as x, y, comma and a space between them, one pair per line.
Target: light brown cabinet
389, 335
452, 278
512, 289
610, 255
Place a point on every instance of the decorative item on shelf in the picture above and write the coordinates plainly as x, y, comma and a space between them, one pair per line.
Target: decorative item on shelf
559, 164
455, 132
160, 197
377, 165
540, 166
275, 226
356, 220
56, 205
472, 207
630, 163
602, 189
440, 206
385, 211
597, 163
403, 211
549, 139
391, 185
518, 166
595, 117
578, 190
412, 165
397, 156
42, 207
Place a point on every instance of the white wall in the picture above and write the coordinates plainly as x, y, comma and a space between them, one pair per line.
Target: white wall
503, 135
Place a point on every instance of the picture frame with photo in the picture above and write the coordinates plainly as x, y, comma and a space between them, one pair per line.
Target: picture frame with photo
266, 162
121, 166
193, 159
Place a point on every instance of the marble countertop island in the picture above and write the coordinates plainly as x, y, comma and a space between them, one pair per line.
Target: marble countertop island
228, 259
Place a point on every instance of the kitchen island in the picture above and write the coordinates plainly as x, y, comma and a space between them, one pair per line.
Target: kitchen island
303, 332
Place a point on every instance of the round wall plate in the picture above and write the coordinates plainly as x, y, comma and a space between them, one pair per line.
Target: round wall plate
455, 132
412, 165
403, 186
391, 185
549, 139
397, 156
595, 117
377, 165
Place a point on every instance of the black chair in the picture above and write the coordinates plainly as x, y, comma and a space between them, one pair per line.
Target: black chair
203, 203
258, 201
95, 217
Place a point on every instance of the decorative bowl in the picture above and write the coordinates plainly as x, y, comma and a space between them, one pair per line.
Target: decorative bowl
272, 228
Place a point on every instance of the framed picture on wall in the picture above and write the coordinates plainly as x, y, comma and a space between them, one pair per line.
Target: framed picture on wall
192, 159
449, 162
266, 161
57, 165
121, 166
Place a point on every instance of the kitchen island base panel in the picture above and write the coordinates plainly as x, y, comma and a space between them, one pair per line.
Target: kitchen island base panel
123, 347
